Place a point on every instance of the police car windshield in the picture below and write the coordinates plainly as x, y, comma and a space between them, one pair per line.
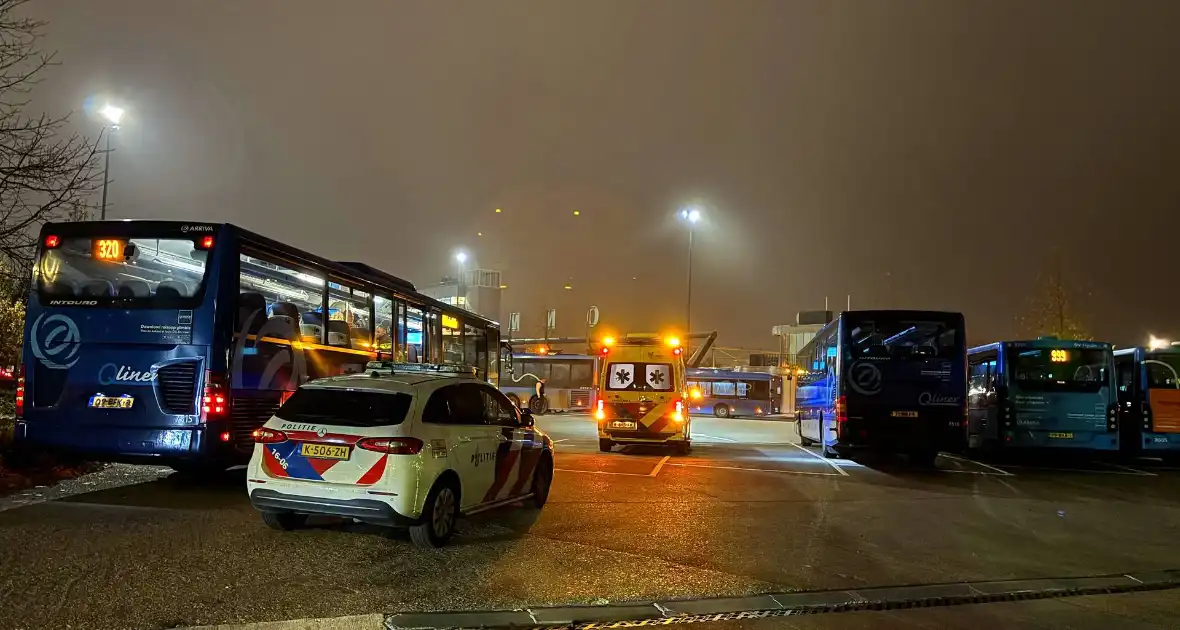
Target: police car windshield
640, 377
345, 407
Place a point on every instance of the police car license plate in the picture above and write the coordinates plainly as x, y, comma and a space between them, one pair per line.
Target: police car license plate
1061, 436
111, 402
622, 424
325, 451
904, 414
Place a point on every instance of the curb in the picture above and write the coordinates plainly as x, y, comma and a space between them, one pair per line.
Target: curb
784, 604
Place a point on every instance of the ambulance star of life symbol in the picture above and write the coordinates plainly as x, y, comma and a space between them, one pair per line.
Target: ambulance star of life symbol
864, 378
55, 341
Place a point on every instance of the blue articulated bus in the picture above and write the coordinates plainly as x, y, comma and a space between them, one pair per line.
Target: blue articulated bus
727, 393
1149, 400
173, 341
892, 380
1044, 393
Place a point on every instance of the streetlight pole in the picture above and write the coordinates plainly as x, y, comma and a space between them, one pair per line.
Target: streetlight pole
461, 285
692, 216
113, 115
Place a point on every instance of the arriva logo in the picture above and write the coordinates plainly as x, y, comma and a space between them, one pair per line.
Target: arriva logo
111, 374
926, 399
55, 341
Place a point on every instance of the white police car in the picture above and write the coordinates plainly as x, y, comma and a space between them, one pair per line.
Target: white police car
400, 445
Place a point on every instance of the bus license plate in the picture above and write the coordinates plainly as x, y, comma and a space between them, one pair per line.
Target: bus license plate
904, 414
325, 451
622, 424
1061, 436
111, 402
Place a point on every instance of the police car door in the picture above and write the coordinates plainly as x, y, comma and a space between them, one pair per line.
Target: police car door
517, 456
478, 443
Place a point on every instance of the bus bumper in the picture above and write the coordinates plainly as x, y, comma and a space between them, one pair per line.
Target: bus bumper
1161, 442
105, 443
1078, 440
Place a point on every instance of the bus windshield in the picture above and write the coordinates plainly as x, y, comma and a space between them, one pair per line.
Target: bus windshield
1055, 367
640, 377
1163, 370
888, 338
122, 272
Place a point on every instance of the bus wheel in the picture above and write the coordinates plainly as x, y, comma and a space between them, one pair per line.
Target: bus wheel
605, 445
805, 441
830, 453
721, 411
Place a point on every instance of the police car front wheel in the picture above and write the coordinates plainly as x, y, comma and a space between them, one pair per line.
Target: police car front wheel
542, 480
438, 517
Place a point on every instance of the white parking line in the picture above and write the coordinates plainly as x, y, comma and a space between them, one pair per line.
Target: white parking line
1083, 470
999, 471
561, 440
822, 459
715, 437
655, 471
1129, 469
601, 472
769, 470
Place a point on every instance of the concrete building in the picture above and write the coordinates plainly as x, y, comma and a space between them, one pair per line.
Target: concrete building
478, 291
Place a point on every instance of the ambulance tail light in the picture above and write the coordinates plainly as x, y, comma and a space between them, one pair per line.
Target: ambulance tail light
263, 435
600, 411
678, 414
391, 445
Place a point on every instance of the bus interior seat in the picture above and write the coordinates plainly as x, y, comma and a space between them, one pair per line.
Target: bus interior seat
311, 318
98, 288
338, 333
877, 350
172, 289
309, 333
412, 353
250, 304
62, 288
360, 338
286, 316
134, 289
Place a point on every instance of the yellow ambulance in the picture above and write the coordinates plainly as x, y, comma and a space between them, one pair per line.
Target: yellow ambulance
641, 393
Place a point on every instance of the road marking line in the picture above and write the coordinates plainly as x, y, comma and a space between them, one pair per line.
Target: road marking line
561, 440
601, 472
655, 471
964, 459
1082, 470
977, 472
1128, 468
715, 437
769, 470
822, 459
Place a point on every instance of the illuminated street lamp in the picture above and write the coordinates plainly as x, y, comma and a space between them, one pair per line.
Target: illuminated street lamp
691, 216
460, 285
113, 114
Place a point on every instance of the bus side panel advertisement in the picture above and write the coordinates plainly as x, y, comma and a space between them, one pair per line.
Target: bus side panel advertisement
1165, 410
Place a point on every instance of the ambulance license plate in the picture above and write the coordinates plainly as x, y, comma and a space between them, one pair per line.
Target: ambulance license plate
111, 402
622, 424
1061, 436
325, 451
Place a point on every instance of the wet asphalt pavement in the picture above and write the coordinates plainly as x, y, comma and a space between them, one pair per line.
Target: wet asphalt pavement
747, 512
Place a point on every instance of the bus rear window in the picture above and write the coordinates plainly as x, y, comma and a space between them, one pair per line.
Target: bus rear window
1062, 366
127, 271
640, 377
1163, 371
901, 339
343, 407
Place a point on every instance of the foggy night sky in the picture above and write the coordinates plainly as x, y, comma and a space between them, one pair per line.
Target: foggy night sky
907, 135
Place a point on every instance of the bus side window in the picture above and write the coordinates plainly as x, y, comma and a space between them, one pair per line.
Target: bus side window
743, 389
1126, 376
559, 375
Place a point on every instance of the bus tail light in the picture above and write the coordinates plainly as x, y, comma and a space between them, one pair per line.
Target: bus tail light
1112, 418
841, 416
215, 397
206, 242
52, 241
678, 414
20, 391
263, 435
391, 445
600, 412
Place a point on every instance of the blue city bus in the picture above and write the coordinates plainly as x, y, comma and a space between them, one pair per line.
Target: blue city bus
891, 380
172, 342
1149, 400
570, 381
727, 393
1044, 393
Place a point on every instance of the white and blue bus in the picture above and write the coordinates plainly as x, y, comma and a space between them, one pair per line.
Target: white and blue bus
172, 341
1044, 393
1149, 400
570, 382
728, 393
887, 380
